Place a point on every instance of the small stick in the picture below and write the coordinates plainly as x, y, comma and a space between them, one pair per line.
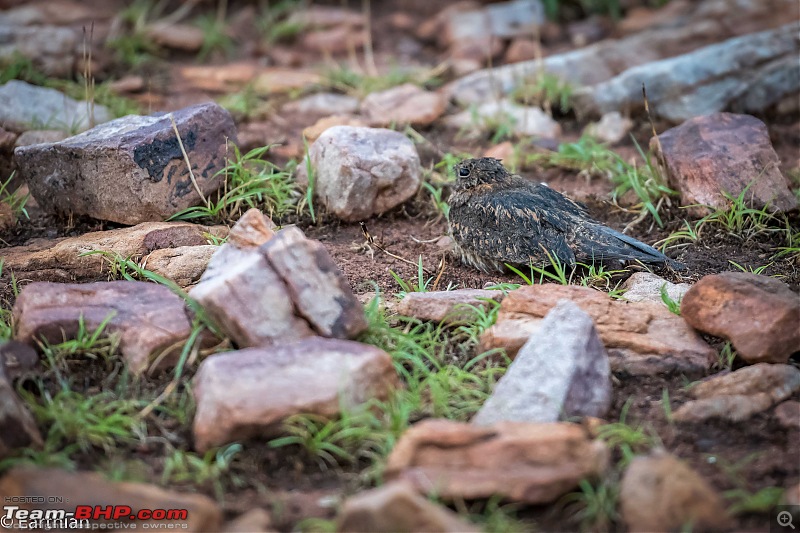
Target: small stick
188, 163
370, 240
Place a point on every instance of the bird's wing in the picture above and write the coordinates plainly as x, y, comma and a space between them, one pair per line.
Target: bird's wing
511, 226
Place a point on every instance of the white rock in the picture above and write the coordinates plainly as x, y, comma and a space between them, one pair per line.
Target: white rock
646, 287
562, 370
523, 120
611, 128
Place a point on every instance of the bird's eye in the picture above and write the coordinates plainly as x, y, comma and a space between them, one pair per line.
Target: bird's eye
463, 172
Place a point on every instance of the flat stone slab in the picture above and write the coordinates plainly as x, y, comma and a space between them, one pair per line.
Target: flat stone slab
132, 169
523, 462
449, 306
250, 392
149, 318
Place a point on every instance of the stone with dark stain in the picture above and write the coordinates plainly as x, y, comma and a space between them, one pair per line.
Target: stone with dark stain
132, 169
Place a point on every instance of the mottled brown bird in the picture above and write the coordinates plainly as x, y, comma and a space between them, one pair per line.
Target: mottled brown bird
498, 218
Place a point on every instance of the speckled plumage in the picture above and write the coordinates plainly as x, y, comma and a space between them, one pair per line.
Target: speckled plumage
498, 218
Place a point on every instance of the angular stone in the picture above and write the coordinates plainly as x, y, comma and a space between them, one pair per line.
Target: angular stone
646, 287
250, 392
398, 507
522, 120
149, 318
561, 372
662, 493
177, 36
404, 104
28, 107
60, 259
132, 169
17, 426
319, 290
262, 287
313, 132
219, 78
361, 172
51, 49
642, 338
724, 153
746, 74
612, 128
322, 105
788, 415
738, 395
89, 488
17, 358
255, 520
275, 80
447, 306
758, 314
184, 264
531, 463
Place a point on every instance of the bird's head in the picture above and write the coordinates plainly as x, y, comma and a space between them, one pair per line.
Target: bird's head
485, 170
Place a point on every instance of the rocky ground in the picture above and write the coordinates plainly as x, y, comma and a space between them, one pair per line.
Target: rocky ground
239, 299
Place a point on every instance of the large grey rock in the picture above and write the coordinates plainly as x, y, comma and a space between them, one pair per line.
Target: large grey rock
250, 392
51, 49
748, 73
710, 156
263, 287
29, 107
361, 172
131, 170
149, 319
704, 23
562, 371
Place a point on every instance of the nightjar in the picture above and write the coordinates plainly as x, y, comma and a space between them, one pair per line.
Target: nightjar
498, 218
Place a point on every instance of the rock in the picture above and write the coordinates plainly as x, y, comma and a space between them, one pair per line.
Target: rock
724, 153
642, 338
313, 132
17, 426
27, 107
127, 84
61, 260
176, 36
40, 136
646, 287
788, 415
17, 358
748, 73
219, 78
612, 128
521, 120
704, 23
432, 28
530, 463
662, 493
522, 49
262, 287
316, 16
404, 104
398, 507
321, 294
255, 520
51, 49
322, 105
184, 264
758, 314
561, 372
336, 40
502, 20
506, 152
142, 154
361, 172
250, 392
276, 80
27, 485
149, 319
447, 306
736, 396
791, 496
